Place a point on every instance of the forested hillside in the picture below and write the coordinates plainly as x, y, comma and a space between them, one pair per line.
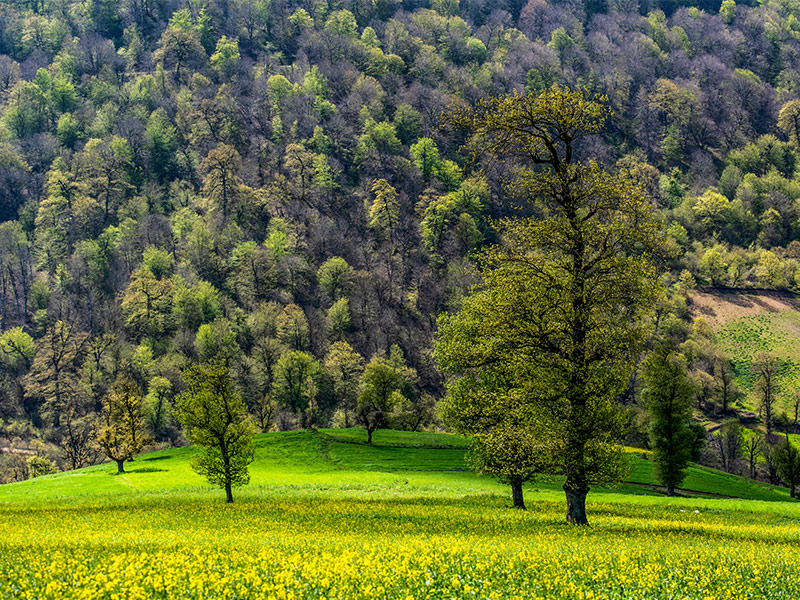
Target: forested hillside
269, 182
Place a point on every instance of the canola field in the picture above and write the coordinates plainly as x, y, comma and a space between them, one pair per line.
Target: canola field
328, 516
387, 543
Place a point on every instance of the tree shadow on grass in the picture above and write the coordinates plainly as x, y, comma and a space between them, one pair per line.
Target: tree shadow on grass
144, 470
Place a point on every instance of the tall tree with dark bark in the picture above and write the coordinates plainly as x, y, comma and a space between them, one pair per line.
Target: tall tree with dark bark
563, 299
767, 371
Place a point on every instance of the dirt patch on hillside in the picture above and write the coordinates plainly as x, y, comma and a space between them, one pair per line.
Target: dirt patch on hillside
719, 306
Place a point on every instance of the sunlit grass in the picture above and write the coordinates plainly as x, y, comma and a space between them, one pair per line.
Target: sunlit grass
328, 516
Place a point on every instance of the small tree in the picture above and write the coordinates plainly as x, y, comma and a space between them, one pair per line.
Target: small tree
767, 371
344, 366
787, 462
768, 452
380, 393
512, 455
41, 465
215, 419
334, 277
795, 405
728, 443
753, 446
78, 449
668, 396
724, 375
158, 401
263, 410
120, 433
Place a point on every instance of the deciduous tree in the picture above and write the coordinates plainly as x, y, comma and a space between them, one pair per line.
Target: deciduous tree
560, 311
380, 393
345, 366
215, 419
787, 460
120, 429
766, 369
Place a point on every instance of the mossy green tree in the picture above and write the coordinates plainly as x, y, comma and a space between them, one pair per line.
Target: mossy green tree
667, 395
215, 419
560, 314
385, 383
512, 454
120, 431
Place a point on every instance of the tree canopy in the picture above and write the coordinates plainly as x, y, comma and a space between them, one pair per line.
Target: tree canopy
560, 313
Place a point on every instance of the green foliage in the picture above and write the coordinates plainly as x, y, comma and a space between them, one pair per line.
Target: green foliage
338, 319
159, 407
512, 454
384, 213
457, 213
668, 395
41, 465
379, 394
342, 22
292, 327
386, 384
787, 460
120, 428
553, 323
335, 277
226, 57
215, 419
296, 384
216, 342
17, 350
344, 366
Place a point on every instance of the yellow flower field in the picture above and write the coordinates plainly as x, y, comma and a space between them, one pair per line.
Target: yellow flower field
335, 546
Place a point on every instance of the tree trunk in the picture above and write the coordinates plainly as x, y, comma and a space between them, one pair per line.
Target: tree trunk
228, 492
369, 435
120, 467
670, 490
576, 507
516, 495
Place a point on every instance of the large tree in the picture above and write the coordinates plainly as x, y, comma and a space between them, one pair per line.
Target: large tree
215, 419
560, 312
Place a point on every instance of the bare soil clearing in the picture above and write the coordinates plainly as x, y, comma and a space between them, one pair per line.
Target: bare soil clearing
718, 306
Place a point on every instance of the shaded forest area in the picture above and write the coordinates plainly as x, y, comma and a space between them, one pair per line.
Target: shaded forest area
267, 183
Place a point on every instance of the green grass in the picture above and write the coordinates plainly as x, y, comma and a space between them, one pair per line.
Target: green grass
327, 515
336, 458
743, 338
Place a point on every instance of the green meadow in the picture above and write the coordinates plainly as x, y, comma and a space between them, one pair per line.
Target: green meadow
328, 516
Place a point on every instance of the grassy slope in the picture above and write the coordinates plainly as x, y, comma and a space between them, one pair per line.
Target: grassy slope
336, 460
747, 323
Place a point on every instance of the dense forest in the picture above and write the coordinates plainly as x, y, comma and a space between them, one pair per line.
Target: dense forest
270, 182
